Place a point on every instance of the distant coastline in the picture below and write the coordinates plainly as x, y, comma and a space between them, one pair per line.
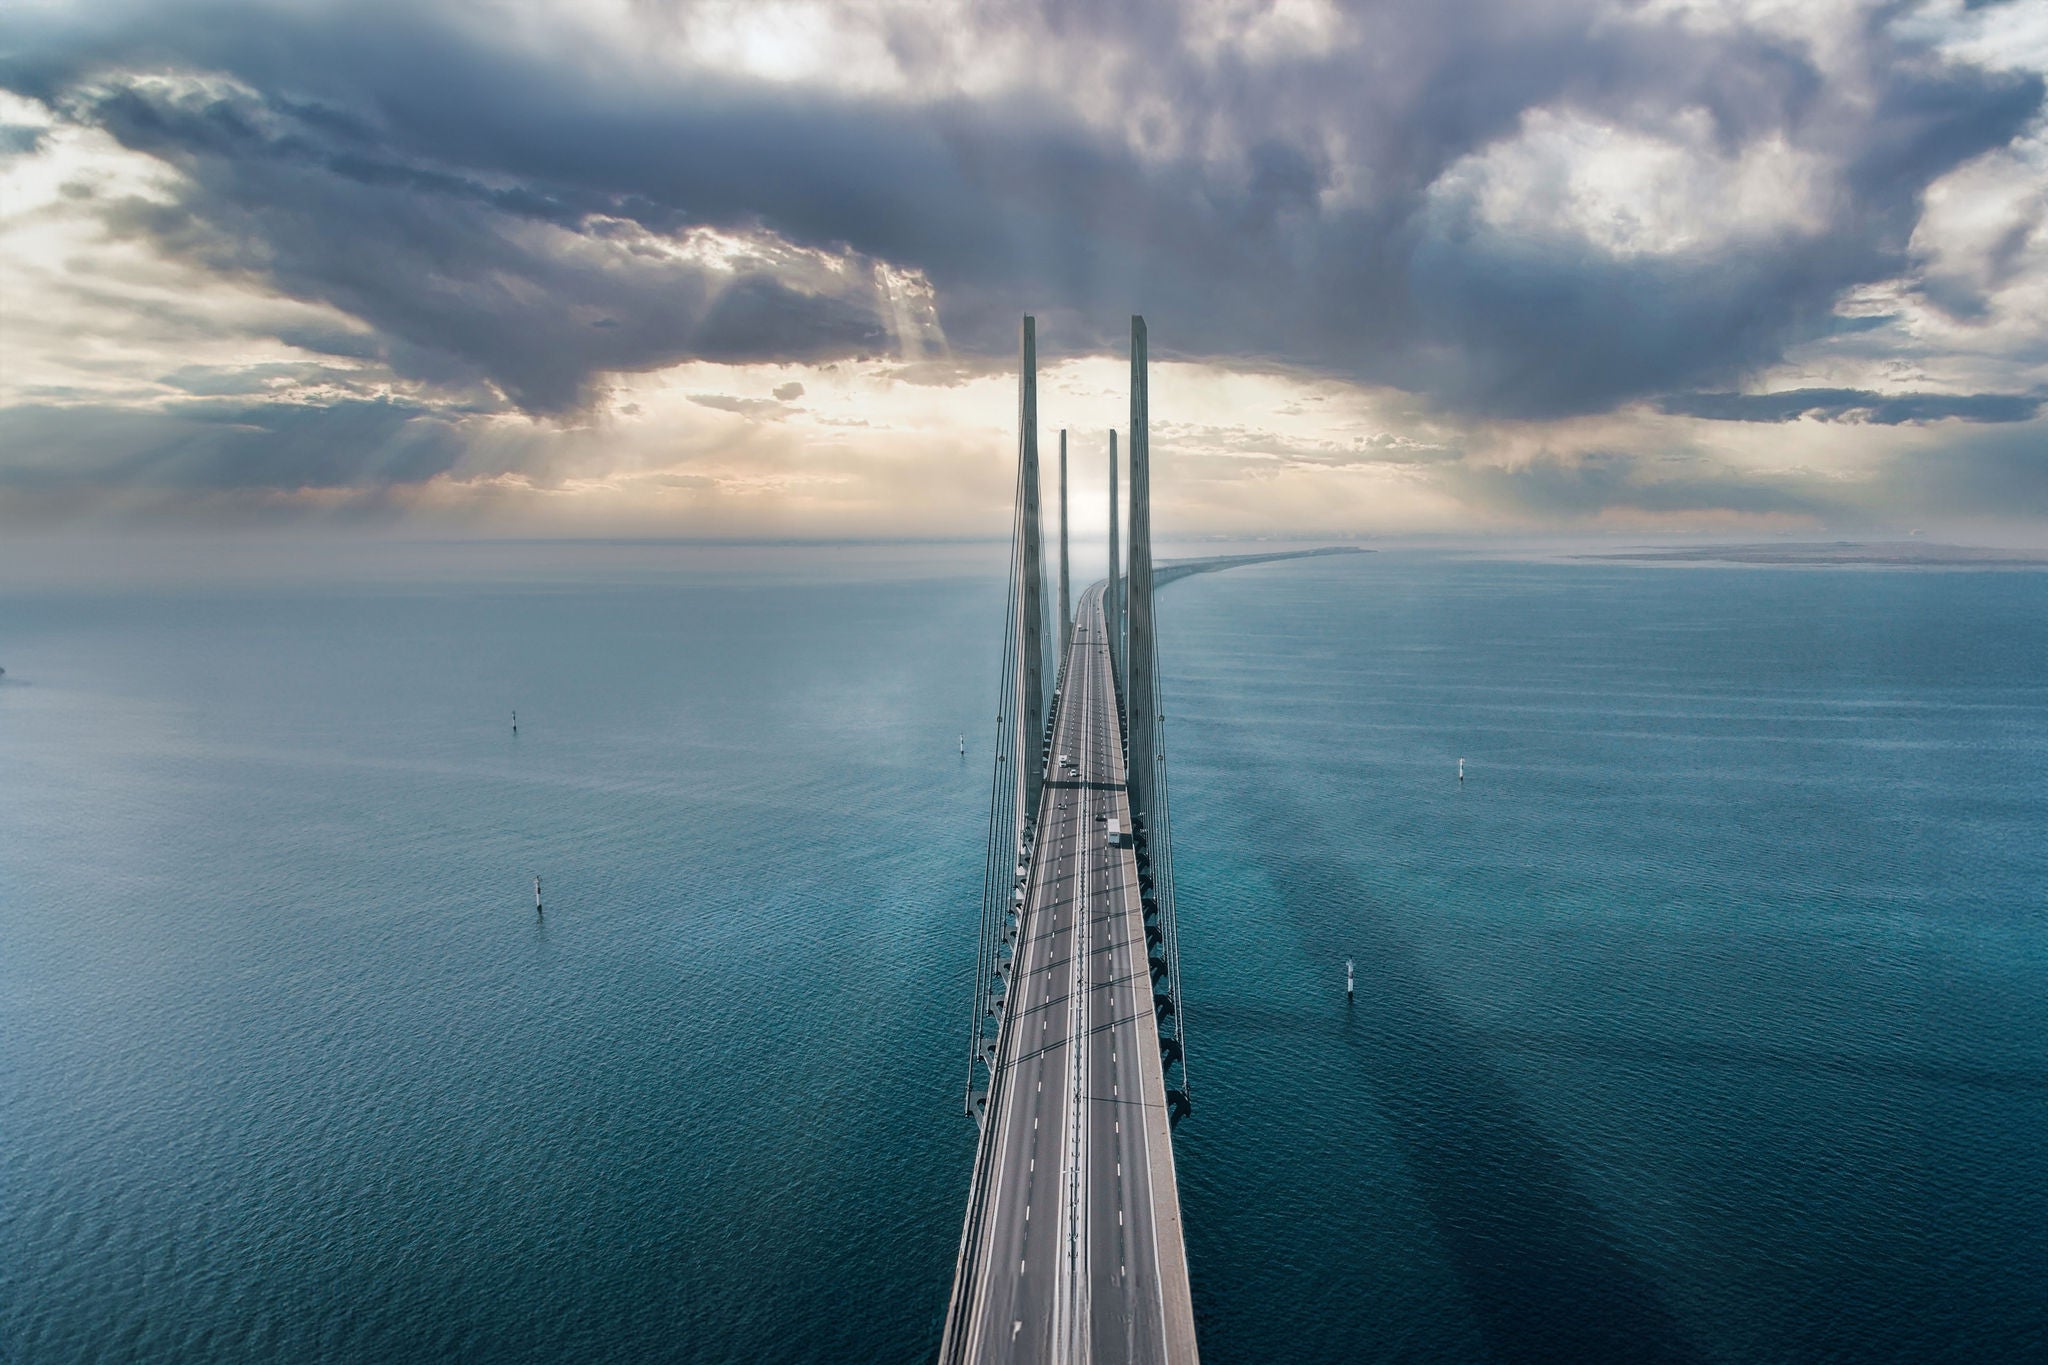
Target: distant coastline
1909, 554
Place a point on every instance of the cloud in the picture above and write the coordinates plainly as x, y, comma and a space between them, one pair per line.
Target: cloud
459, 279
219, 381
216, 444
746, 407
17, 139
1571, 489
1248, 447
1855, 405
1996, 473
1519, 211
1513, 213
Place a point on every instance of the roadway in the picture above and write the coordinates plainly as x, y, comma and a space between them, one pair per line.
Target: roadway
1077, 1255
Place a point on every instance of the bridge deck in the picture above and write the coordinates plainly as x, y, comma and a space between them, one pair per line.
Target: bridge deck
1072, 1249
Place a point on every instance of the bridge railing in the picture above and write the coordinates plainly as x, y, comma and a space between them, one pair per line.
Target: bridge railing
1167, 1002
1155, 883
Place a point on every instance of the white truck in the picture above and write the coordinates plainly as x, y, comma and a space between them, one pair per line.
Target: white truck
1116, 833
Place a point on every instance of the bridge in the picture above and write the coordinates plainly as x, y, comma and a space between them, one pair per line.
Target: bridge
1071, 1249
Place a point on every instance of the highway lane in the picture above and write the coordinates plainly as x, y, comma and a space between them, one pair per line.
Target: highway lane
1080, 1255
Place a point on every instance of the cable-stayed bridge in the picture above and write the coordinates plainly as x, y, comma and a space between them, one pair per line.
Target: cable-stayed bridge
1071, 1249
1077, 1065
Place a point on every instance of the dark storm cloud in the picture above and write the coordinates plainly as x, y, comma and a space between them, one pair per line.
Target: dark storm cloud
445, 268
387, 163
1834, 405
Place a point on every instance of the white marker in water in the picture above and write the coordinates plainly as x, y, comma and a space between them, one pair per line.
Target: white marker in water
536, 896
1350, 986
1461, 770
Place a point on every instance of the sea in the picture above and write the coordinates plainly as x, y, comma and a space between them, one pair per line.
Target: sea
1706, 1020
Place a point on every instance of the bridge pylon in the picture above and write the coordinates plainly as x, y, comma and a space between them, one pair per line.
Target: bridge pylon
1113, 594
1029, 589
1022, 725
1066, 598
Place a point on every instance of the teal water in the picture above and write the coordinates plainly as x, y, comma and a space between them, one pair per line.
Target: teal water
1707, 1022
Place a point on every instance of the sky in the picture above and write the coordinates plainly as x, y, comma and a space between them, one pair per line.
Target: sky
756, 269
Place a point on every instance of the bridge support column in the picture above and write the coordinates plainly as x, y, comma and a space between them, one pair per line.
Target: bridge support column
1029, 730
1139, 656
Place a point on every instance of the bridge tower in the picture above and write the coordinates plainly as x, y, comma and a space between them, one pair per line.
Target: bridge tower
1029, 731
1140, 661
1066, 599
1112, 596
1020, 741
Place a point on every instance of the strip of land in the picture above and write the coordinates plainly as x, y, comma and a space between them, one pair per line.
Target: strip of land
1910, 553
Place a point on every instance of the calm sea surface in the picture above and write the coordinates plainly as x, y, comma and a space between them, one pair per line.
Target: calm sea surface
1708, 1021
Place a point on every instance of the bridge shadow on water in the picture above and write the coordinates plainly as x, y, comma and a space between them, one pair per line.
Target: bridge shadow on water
1544, 1271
